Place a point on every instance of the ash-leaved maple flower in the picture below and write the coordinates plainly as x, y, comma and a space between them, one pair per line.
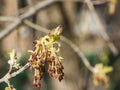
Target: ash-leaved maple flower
100, 74
46, 49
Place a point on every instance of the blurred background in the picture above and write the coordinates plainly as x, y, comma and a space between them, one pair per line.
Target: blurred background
92, 25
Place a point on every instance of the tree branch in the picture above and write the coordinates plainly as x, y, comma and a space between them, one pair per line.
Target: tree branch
20, 70
95, 2
32, 10
6, 18
102, 30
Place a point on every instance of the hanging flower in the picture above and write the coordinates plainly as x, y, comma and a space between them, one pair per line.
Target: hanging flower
46, 49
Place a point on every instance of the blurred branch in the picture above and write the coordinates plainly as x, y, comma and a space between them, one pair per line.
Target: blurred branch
64, 39
101, 27
32, 10
29, 2
7, 18
95, 2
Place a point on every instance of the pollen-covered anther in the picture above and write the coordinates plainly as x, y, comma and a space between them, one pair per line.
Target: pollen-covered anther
46, 50
37, 77
33, 56
52, 58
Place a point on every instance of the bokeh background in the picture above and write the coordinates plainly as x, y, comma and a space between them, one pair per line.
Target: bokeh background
80, 25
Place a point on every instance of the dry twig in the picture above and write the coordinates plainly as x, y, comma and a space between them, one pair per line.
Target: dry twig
101, 27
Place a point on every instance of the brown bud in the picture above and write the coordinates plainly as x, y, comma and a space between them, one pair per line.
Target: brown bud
62, 74
42, 61
61, 67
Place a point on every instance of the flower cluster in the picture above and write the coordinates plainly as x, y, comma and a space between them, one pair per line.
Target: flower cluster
46, 49
100, 74
13, 62
10, 88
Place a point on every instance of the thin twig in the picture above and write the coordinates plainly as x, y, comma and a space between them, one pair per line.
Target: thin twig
10, 69
20, 70
101, 27
32, 10
64, 39
9, 76
95, 2
8, 83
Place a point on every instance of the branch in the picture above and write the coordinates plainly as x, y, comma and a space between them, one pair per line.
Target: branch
7, 18
101, 27
29, 2
32, 10
64, 39
20, 70
9, 76
95, 2
13, 63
